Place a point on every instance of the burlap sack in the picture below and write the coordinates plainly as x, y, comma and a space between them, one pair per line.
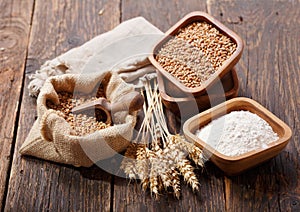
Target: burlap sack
50, 137
123, 49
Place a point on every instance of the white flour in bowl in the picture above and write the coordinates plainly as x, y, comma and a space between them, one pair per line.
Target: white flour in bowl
237, 132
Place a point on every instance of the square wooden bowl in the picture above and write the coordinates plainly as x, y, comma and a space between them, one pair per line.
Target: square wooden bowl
187, 106
226, 66
233, 165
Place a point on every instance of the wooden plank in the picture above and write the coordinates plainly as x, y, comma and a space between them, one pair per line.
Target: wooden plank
37, 185
162, 14
129, 196
269, 72
15, 21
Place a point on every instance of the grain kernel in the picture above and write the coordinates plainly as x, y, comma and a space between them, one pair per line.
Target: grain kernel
198, 49
81, 124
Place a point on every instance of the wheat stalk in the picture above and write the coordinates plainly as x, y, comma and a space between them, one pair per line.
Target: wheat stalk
187, 171
176, 183
142, 166
161, 156
128, 163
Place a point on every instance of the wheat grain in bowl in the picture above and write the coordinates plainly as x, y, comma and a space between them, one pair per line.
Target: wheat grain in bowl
195, 53
81, 124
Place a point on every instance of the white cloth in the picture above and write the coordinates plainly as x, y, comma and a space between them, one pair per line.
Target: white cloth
123, 49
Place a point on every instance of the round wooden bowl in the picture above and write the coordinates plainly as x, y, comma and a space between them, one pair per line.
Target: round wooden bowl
233, 165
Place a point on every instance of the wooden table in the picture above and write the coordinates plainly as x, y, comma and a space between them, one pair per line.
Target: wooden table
33, 31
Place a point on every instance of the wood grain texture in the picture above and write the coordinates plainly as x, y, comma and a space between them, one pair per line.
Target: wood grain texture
37, 185
161, 13
129, 196
269, 71
15, 21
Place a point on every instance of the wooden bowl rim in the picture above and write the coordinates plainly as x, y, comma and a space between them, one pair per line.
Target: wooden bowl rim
226, 106
189, 18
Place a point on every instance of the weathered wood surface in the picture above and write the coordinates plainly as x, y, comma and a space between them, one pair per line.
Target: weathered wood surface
268, 72
36, 185
15, 21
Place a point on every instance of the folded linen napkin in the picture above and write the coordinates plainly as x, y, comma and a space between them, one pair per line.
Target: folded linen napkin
123, 49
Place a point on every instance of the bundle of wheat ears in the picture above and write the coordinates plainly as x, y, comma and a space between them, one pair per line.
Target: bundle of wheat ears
157, 157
